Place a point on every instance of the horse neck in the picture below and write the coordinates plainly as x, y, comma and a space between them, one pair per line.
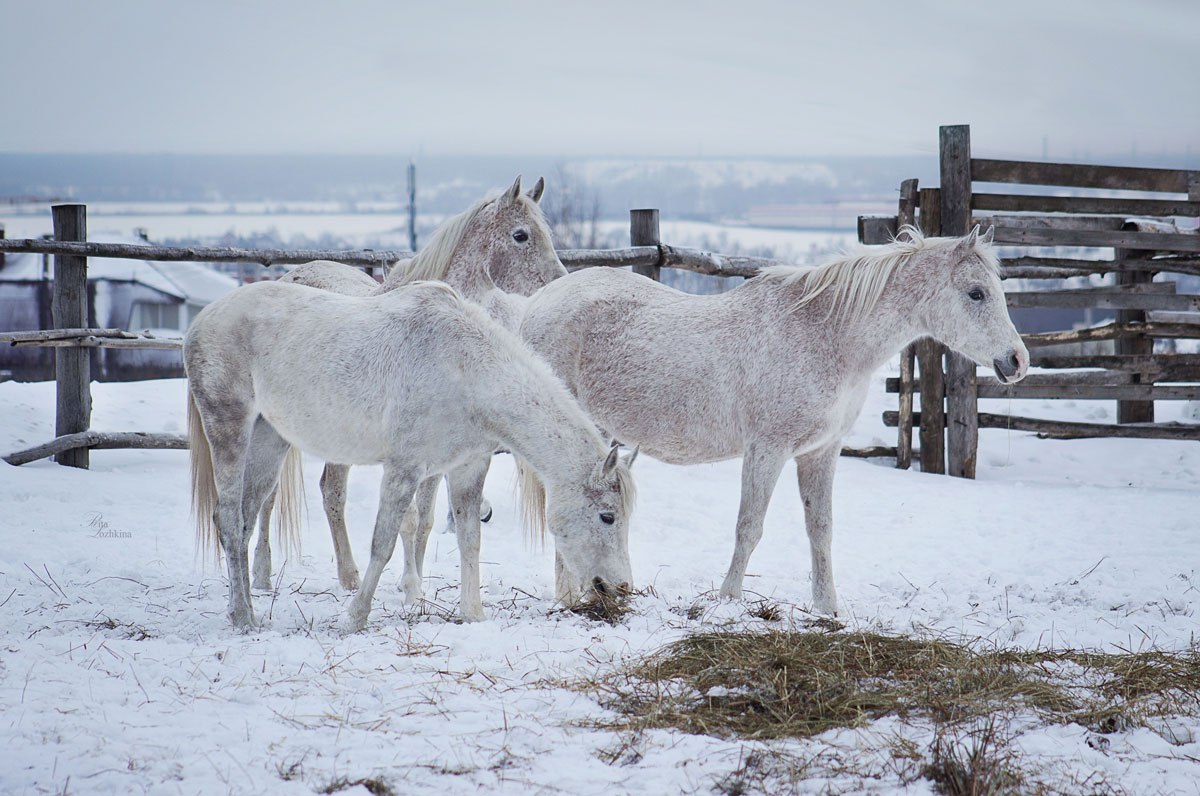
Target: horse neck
539, 421
466, 274
865, 342
394, 277
506, 309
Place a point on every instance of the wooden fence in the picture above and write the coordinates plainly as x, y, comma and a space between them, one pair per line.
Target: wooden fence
647, 255
1140, 229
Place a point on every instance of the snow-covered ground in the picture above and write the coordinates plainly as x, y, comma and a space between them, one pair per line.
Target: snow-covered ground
120, 674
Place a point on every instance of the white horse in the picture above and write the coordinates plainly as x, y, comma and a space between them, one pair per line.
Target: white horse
775, 369
499, 243
416, 379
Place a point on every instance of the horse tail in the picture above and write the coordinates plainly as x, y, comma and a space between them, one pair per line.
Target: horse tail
204, 486
533, 502
289, 498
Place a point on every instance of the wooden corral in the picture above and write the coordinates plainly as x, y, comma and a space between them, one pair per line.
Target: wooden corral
1136, 219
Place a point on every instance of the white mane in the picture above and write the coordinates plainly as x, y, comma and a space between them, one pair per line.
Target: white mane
858, 278
433, 261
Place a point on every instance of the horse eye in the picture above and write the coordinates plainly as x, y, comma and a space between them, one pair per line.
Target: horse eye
520, 236
607, 517
976, 294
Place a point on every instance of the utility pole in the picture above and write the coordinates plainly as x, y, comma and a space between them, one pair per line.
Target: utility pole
412, 206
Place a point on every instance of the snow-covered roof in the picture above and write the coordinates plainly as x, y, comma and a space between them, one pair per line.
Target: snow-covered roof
193, 282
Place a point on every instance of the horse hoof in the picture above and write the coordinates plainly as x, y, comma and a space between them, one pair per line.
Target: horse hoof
243, 622
413, 594
472, 614
353, 622
349, 581
825, 608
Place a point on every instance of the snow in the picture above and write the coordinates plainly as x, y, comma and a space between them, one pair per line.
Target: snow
119, 672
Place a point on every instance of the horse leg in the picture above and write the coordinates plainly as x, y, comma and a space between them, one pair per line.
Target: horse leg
264, 457
395, 499
228, 425
333, 494
466, 487
449, 509
760, 471
814, 472
415, 537
485, 511
565, 592
262, 551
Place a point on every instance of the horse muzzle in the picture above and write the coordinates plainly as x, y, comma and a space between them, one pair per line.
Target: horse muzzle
1011, 368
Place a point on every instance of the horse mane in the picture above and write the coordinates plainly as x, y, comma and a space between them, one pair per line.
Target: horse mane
858, 278
433, 261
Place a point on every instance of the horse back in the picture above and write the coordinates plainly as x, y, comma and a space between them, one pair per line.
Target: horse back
332, 276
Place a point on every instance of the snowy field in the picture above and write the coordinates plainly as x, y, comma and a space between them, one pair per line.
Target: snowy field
119, 672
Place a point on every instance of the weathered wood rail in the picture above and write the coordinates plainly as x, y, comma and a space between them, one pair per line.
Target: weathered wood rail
647, 255
1145, 242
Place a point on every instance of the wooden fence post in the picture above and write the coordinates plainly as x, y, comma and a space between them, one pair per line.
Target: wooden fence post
906, 214
962, 400
69, 307
930, 354
1140, 344
643, 231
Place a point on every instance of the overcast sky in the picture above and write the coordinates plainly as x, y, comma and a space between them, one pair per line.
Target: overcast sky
605, 77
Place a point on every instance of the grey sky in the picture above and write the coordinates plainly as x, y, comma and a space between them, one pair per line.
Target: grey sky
618, 77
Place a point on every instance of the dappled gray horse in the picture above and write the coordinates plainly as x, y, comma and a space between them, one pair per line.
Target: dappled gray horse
775, 369
416, 379
499, 242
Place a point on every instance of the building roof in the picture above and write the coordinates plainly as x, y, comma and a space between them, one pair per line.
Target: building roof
193, 282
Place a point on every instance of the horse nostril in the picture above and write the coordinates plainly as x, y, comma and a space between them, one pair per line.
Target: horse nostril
599, 585
1014, 361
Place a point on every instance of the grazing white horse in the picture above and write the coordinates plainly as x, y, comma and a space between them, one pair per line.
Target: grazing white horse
500, 243
775, 369
416, 379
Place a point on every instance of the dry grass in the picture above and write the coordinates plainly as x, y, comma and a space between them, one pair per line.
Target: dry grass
375, 785
976, 764
799, 684
123, 629
607, 608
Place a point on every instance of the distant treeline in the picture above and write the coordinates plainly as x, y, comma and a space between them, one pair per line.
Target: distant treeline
447, 184
698, 188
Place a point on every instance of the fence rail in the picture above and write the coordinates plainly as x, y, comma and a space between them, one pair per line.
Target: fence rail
644, 256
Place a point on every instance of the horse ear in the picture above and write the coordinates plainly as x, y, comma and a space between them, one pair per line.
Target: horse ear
986, 238
610, 463
535, 193
968, 242
514, 190
631, 458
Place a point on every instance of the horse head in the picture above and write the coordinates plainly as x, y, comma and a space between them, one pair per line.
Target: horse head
966, 309
514, 242
590, 526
